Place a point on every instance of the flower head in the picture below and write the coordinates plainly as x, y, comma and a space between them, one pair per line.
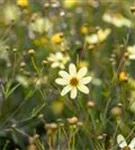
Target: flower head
74, 80
58, 60
22, 3
131, 52
117, 20
57, 38
123, 144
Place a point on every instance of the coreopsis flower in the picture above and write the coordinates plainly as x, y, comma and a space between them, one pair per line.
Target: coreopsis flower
123, 144
116, 19
11, 13
131, 52
22, 3
98, 37
58, 60
74, 80
39, 25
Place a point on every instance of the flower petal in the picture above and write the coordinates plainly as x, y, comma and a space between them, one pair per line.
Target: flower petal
132, 56
65, 90
55, 64
121, 141
82, 72
85, 80
132, 144
83, 88
73, 93
64, 74
72, 69
61, 81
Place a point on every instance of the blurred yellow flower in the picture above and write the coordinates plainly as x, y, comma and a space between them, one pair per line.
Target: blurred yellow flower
84, 29
57, 38
103, 34
22, 3
11, 13
70, 3
98, 37
123, 76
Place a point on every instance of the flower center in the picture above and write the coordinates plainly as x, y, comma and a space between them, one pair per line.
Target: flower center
74, 81
126, 148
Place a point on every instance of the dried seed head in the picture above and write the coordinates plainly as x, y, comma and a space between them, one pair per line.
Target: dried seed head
31, 51
72, 120
116, 111
47, 5
91, 104
14, 50
100, 137
44, 62
132, 9
80, 123
22, 64
120, 105
32, 147
52, 126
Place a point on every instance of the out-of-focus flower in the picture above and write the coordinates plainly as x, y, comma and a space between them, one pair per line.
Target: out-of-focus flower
84, 29
123, 76
22, 3
117, 20
83, 64
103, 34
40, 41
98, 37
74, 80
70, 3
131, 52
39, 25
11, 13
22, 80
58, 60
123, 144
57, 38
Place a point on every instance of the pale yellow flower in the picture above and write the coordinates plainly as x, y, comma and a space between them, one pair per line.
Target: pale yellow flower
98, 37
58, 60
123, 144
74, 80
11, 13
117, 20
131, 52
